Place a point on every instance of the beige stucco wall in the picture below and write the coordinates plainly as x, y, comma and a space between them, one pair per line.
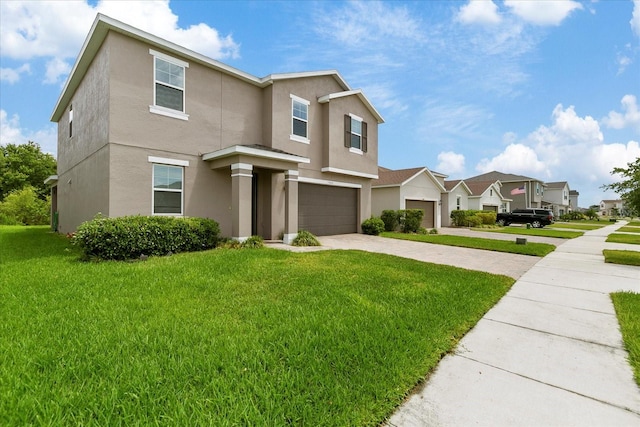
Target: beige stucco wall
449, 204
422, 187
490, 197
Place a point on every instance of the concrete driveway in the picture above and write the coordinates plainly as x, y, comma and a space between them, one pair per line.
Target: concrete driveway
511, 265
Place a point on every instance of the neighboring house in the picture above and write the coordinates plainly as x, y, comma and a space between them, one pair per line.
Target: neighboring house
611, 207
455, 198
486, 196
524, 192
556, 198
148, 127
573, 200
415, 188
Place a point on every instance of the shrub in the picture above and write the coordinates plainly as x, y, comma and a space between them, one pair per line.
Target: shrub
373, 226
572, 216
131, 236
24, 207
473, 221
227, 243
253, 242
487, 217
305, 238
458, 217
433, 231
410, 220
390, 219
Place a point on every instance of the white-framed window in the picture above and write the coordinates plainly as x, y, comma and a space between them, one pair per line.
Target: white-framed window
70, 120
355, 134
168, 86
537, 188
168, 189
299, 119
458, 199
491, 193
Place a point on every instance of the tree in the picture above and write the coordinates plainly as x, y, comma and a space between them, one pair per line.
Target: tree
591, 213
24, 207
23, 165
629, 188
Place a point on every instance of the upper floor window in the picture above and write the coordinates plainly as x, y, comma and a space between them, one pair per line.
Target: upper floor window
355, 133
299, 119
70, 121
537, 188
458, 198
169, 86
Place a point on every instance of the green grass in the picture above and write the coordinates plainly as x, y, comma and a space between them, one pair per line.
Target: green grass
560, 234
628, 229
223, 337
627, 306
621, 257
634, 223
624, 238
575, 225
535, 249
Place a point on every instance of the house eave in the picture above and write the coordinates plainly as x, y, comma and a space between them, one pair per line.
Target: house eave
254, 152
357, 92
51, 180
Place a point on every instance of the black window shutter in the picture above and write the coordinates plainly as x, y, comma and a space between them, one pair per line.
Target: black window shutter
364, 137
347, 130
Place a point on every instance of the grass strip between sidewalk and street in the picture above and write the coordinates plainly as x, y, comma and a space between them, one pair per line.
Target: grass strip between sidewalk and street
575, 226
621, 257
627, 305
542, 232
624, 238
628, 229
223, 337
634, 223
534, 249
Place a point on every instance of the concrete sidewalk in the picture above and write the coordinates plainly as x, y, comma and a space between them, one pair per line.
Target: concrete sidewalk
549, 353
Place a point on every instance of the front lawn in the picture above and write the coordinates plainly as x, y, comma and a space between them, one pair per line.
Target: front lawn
634, 223
223, 337
627, 306
535, 249
624, 238
621, 257
560, 234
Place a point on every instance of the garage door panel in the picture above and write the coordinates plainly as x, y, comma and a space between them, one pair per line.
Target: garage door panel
325, 210
428, 220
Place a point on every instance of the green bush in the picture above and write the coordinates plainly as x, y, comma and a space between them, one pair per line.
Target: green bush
390, 219
410, 220
305, 238
24, 207
253, 242
433, 231
130, 237
373, 226
572, 216
488, 217
461, 217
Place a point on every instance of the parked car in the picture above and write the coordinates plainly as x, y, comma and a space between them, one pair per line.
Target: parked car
538, 218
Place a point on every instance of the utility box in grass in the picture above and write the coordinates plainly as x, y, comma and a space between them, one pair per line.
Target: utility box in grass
521, 241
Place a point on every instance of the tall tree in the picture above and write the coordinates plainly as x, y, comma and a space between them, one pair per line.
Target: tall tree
629, 187
23, 165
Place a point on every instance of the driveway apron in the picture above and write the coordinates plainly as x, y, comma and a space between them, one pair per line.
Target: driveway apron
549, 353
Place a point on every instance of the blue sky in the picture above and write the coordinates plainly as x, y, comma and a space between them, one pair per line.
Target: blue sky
548, 89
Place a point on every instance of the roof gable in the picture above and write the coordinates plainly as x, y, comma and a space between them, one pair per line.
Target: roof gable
500, 176
400, 177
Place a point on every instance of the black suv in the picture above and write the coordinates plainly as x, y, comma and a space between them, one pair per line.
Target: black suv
538, 218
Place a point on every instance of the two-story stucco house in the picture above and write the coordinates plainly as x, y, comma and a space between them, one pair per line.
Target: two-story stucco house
556, 197
148, 127
524, 192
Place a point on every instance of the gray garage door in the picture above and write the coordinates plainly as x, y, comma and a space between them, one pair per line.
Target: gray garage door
428, 221
325, 210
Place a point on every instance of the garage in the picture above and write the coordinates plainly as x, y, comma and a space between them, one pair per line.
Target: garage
327, 210
428, 220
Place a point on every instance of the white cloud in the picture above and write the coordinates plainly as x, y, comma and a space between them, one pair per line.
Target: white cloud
571, 149
12, 75
56, 68
57, 29
635, 18
516, 158
12, 133
479, 12
630, 117
450, 163
359, 23
548, 12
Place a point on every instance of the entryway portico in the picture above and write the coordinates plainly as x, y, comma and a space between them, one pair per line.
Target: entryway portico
261, 177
